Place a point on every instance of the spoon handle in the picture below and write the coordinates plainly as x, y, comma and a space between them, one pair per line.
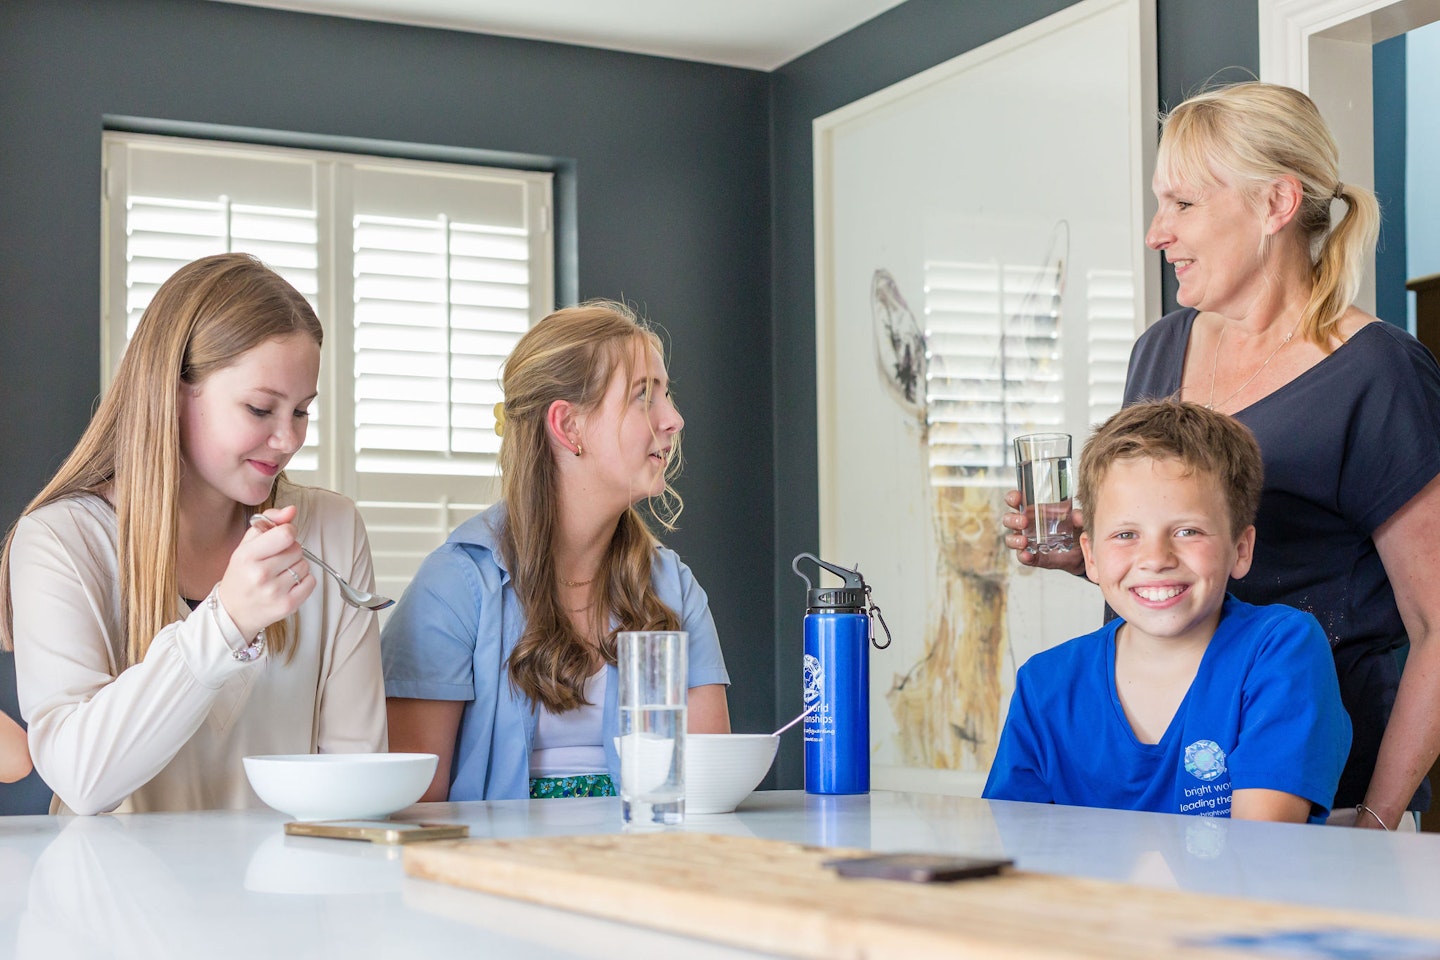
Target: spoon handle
262, 522
808, 710
350, 593
322, 564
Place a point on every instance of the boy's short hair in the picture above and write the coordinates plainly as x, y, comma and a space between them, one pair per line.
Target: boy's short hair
1171, 429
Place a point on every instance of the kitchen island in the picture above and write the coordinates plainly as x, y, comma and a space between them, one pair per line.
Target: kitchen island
231, 884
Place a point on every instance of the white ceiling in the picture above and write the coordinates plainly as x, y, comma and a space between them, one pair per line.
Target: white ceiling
760, 34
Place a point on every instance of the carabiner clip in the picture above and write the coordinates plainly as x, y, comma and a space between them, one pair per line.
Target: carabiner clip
875, 614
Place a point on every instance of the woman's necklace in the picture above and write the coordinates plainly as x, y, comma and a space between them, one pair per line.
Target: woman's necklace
576, 583
1215, 366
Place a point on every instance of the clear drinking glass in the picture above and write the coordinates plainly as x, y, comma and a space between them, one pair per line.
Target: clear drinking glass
651, 744
1045, 475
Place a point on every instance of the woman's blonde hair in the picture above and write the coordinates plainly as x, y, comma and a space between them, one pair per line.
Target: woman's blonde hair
201, 320
571, 355
1253, 134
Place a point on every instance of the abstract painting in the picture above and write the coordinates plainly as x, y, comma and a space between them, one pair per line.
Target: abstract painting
981, 274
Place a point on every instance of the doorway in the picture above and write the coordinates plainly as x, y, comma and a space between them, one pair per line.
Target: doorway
1325, 48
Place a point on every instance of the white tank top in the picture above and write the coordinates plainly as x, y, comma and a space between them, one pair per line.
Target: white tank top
568, 744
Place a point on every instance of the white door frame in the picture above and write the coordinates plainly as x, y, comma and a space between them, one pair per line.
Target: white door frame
1323, 48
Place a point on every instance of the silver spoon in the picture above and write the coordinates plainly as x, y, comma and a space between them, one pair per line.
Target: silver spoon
354, 597
808, 710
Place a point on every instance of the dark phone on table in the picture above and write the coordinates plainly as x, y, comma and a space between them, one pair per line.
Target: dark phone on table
918, 867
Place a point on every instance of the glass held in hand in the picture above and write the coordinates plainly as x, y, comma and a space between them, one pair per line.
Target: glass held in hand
652, 700
1045, 476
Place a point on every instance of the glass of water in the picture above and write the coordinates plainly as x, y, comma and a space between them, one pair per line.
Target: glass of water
1045, 473
653, 688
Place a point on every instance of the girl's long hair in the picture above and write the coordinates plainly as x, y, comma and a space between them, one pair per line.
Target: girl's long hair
1258, 132
571, 355
201, 320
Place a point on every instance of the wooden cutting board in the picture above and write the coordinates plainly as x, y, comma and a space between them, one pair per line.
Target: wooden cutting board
776, 897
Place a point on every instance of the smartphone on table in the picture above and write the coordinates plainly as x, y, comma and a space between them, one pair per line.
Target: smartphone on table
918, 867
377, 831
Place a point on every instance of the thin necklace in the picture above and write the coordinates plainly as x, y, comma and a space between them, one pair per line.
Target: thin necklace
1215, 366
577, 583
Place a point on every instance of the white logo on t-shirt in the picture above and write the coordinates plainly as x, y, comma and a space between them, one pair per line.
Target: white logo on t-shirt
1204, 760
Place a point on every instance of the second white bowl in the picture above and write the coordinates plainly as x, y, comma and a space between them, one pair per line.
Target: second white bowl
721, 769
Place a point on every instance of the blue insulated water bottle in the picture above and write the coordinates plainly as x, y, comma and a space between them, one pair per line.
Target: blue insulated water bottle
838, 633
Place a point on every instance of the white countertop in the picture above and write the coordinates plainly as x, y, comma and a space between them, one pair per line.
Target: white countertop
230, 884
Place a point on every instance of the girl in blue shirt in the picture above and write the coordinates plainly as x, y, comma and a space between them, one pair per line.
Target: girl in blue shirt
500, 656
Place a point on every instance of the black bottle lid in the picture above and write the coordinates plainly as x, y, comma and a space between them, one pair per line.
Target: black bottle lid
847, 598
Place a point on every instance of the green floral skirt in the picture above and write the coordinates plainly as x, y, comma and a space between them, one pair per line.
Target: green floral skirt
589, 785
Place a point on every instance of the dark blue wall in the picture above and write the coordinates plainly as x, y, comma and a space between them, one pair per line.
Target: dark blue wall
1391, 272
1202, 44
1197, 41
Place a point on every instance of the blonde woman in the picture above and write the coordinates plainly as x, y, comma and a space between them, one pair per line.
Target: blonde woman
158, 637
1268, 247
500, 657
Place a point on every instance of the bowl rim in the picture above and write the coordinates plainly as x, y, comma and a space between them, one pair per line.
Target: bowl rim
303, 758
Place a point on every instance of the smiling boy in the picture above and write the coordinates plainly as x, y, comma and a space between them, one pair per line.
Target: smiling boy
1190, 701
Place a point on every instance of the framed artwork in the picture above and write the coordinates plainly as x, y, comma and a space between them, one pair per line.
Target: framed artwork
981, 273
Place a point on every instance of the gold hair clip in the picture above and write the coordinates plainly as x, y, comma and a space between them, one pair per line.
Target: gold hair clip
500, 419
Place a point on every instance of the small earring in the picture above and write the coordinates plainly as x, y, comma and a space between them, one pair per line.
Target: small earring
578, 449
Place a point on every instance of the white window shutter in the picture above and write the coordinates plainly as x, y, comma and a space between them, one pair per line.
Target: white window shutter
1110, 331
993, 366
444, 287
438, 308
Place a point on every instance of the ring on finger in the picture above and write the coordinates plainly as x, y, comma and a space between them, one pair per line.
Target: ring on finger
293, 575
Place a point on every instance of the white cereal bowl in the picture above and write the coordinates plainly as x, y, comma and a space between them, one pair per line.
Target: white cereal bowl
340, 786
721, 769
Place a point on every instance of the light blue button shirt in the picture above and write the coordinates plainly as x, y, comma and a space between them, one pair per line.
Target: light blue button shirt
451, 635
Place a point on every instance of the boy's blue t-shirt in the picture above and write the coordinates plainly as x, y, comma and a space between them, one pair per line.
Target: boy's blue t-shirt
1263, 711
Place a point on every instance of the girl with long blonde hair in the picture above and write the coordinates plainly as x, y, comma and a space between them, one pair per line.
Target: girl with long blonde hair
500, 657
158, 637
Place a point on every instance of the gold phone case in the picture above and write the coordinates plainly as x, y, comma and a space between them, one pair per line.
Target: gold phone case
377, 831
